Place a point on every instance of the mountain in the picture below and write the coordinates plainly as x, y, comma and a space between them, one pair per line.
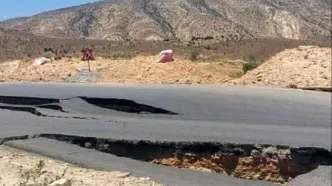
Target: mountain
184, 20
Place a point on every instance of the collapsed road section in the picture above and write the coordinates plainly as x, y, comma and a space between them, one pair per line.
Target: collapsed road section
27, 100
120, 105
273, 163
124, 105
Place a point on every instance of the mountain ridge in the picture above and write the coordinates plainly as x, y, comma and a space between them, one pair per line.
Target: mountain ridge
184, 20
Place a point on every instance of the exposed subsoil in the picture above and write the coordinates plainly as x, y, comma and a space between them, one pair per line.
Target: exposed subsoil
302, 67
138, 70
305, 66
270, 168
278, 164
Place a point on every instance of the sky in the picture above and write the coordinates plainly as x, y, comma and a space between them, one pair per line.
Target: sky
21, 8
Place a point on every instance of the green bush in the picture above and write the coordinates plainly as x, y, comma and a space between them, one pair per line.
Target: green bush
250, 63
193, 55
250, 59
49, 55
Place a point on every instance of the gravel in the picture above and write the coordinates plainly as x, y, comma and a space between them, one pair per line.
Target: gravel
83, 76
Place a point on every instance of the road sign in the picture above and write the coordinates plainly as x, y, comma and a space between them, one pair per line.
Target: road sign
87, 56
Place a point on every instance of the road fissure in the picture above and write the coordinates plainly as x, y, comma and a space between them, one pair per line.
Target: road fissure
274, 163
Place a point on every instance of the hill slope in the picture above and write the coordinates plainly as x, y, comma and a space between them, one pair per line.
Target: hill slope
305, 66
220, 20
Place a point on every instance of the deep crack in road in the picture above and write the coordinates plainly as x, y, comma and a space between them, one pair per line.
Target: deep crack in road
174, 126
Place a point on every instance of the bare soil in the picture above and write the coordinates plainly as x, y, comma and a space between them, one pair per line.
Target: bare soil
18, 168
17, 45
272, 169
139, 70
304, 66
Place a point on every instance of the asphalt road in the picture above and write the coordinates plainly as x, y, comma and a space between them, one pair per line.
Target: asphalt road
205, 113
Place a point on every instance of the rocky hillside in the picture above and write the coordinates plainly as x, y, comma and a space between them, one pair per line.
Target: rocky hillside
190, 20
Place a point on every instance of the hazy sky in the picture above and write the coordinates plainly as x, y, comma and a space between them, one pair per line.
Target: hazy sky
20, 8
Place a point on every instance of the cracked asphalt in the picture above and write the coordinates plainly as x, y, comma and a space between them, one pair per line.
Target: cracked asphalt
205, 113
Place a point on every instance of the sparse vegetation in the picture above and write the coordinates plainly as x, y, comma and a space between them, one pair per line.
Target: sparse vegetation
118, 55
17, 45
289, 69
292, 86
250, 63
57, 58
250, 59
193, 55
49, 55
33, 174
17, 165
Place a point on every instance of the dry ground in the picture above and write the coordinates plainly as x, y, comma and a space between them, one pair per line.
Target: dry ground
18, 168
141, 70
305, 66
16, 45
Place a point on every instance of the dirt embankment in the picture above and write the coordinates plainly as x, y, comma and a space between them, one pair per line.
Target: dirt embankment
21, 168
305, 66
139, 70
